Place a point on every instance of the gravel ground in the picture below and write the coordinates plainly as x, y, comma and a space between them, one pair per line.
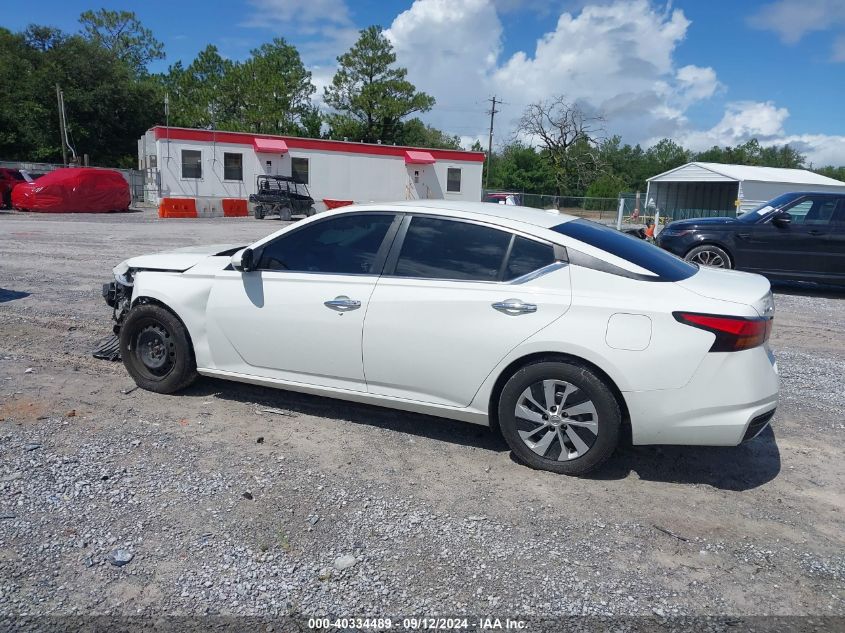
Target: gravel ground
232, 499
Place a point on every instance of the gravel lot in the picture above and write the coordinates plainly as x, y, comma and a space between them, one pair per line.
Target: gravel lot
239, 500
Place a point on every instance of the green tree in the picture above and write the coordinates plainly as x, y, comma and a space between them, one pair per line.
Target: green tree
271, 91
122, 34
108, 108
416, 133
369, 94
196, 94
837, 173
518, 167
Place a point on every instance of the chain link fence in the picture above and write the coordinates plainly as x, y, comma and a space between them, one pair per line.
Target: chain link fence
585, 207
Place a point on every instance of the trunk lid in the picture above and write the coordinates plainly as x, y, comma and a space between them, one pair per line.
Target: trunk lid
734, 286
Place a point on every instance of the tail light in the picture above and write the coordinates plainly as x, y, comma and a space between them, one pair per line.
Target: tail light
732, 333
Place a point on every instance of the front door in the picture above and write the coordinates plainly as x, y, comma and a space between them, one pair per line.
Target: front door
447, 282
299, 317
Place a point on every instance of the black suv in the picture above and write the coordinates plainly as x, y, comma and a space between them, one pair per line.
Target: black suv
795, 237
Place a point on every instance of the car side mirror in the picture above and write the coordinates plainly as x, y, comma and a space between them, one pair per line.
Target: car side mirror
243, 260
782, 219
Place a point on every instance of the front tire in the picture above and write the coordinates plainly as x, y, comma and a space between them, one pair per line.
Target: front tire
559, 416
709, 255
156, 349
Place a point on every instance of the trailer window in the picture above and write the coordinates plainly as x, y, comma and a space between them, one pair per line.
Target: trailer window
233, 166
453, 180
191, 163
299, 169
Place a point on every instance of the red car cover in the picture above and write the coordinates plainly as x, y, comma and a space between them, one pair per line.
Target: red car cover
74, 190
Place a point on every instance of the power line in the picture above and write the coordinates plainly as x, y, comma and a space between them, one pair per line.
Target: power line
492, 112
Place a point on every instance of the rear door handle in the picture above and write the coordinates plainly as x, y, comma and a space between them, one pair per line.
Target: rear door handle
514, 307
816, 232
342, 304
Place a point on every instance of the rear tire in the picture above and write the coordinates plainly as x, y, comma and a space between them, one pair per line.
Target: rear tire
156, 349
709, 255
572, 435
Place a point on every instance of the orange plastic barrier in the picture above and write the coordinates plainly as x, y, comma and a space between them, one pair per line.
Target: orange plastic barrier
177, 208
235, 208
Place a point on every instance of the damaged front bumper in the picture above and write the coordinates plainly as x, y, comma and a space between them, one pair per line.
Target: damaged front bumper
118, 296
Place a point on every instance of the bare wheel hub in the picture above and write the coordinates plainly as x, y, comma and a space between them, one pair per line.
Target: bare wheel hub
155, 349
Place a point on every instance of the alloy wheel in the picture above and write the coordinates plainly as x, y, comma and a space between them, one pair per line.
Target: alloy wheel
556, 420
709, 258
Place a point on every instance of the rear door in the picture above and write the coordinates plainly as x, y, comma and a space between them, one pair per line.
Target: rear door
796, 250
455, 298
836, 244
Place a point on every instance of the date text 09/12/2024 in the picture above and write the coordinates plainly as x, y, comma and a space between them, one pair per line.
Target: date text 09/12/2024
443, 624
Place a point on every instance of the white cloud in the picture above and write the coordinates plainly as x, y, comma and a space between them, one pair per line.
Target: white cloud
275, 12
450, 50
742, 120
839, 49
322, 29
617, 58
696, 83
764, 121
793, 19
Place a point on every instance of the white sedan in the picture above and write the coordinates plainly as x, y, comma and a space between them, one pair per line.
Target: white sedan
556, 330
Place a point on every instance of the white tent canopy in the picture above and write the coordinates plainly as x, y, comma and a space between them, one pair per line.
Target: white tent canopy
708, 188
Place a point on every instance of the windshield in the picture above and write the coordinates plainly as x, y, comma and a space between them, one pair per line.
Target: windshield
764, 209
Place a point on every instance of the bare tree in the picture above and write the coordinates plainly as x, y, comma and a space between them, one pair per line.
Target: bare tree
569, 136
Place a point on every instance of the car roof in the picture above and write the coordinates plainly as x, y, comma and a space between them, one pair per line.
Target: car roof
510, 213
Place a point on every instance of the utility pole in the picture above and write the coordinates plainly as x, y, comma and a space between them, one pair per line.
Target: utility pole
492, 113
61, 123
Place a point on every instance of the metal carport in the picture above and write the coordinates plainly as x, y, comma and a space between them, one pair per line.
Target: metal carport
707, 189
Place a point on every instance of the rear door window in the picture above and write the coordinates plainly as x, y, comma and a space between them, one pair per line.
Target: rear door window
526, 256
436, 248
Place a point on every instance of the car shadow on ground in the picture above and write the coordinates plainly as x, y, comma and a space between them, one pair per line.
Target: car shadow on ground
11, 295
738, 468
808, 290
439, 429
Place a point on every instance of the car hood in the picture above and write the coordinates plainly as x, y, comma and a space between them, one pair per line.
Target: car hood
734, 286
178, 260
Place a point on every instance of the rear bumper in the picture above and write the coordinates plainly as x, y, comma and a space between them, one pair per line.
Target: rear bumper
723, 404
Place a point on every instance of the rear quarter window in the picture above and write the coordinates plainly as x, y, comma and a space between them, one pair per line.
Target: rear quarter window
652, 258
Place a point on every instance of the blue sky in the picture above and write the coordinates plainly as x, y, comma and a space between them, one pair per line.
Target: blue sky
702, 72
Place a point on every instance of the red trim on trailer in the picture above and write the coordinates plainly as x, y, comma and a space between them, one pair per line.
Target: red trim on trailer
293, 142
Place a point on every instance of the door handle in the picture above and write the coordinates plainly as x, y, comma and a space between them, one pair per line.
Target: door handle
744, 236
342, 304
514, 307
816, 232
